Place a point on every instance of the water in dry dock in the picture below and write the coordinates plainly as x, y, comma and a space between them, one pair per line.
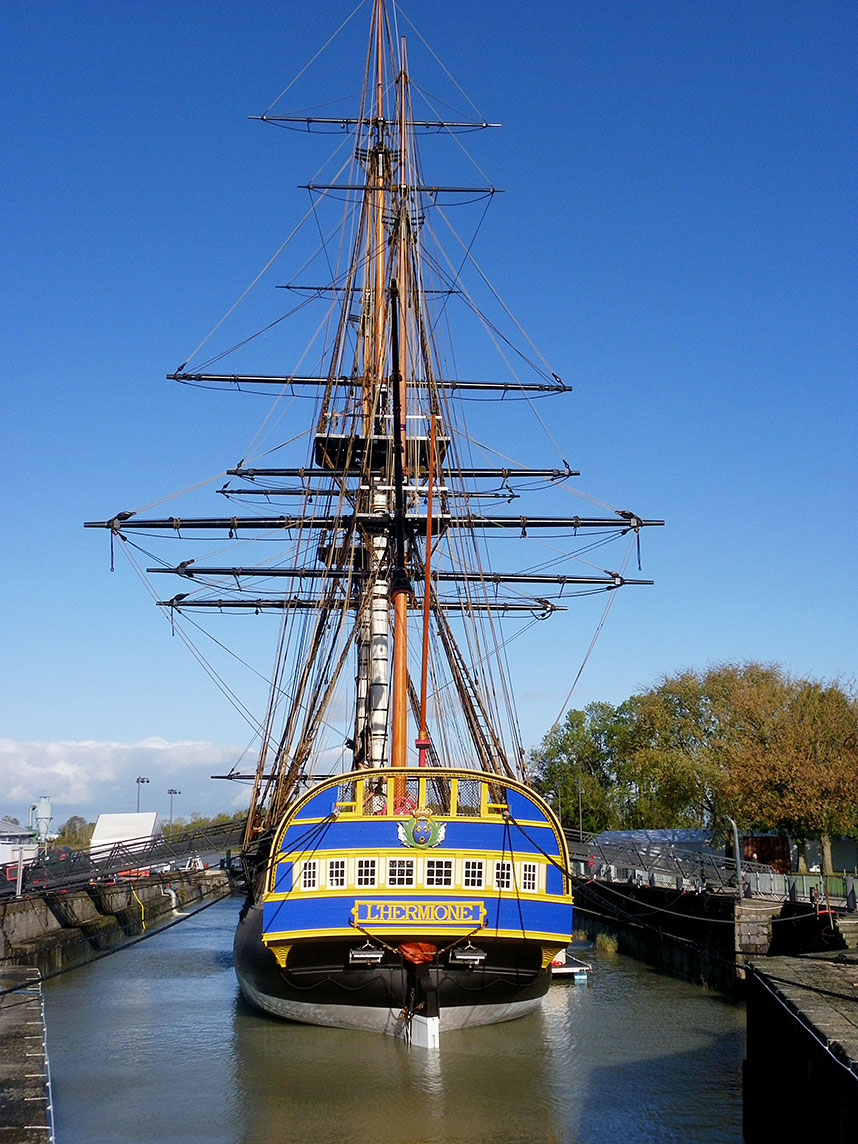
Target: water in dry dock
154, 1044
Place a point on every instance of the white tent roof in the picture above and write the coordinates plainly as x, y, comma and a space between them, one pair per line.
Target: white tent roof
113, 828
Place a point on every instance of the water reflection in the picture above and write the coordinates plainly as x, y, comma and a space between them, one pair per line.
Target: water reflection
339, 1085
155, 1044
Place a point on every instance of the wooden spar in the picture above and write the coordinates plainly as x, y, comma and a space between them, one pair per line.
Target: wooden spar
379, 155
400, 586
400, 679
402, 248
423, 740
374, 655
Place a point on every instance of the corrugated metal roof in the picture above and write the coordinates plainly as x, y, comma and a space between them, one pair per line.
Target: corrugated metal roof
13, 830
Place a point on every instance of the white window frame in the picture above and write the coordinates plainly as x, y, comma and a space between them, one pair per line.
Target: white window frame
530, 877
310, 875
395, 876
474, 867
436, 865
337, 873
503, 875
362, 867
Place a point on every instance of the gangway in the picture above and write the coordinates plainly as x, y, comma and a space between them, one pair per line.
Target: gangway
135, 855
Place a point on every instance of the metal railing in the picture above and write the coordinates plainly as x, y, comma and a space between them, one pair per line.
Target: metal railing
671, 866
667, 866
48, 872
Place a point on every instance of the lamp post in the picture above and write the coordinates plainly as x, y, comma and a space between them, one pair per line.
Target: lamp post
737, 856
140, 780
171, 792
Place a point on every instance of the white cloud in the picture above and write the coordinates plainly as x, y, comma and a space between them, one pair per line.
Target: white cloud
88, 777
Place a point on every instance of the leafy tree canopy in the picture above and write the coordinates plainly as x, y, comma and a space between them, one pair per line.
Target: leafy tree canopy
748, 740
75, 833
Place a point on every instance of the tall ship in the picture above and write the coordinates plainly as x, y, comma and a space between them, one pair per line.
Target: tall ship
403, 875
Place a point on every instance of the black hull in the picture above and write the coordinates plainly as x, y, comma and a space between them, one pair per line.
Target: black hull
320, 986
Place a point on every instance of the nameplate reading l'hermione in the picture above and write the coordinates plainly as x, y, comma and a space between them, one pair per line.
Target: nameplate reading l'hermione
436, 913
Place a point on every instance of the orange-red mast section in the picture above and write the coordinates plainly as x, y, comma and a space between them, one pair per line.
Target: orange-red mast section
401, 592
423, 740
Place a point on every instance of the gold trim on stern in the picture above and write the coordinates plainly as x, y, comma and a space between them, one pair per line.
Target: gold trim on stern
281, 952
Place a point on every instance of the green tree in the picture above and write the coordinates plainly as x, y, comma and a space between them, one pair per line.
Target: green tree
668, 768
791, 759
644, 764
200, 822
747, 740
76, 833
580, 754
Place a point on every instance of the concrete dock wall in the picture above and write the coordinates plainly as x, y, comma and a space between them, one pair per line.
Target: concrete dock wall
26, 1105
61, 928
800, 1078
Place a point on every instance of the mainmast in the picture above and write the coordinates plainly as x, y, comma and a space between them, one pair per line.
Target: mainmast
400, 582
373, 682
378, 711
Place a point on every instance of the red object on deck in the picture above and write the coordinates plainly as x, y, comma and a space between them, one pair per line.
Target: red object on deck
417, 952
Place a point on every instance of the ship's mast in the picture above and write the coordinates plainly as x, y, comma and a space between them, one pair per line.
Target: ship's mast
400, 583
372, 722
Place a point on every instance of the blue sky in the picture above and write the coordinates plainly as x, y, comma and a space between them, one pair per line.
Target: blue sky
677, 233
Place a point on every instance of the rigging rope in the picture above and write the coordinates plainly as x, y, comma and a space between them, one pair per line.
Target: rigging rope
309, 63
245, 292
225, 690
441, 64
610, 603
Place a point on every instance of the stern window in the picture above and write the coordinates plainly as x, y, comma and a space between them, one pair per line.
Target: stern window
336, 873
503, 875
473, 874
308, 876
439, 872
400, 872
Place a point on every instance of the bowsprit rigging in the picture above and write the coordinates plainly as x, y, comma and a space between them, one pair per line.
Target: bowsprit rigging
403, 876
